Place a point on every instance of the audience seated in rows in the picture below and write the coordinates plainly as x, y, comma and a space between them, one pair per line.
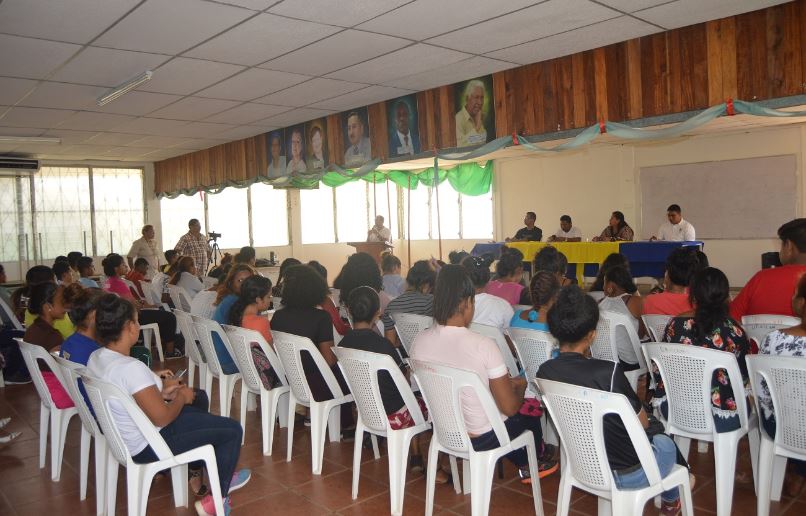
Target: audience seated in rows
86, 268
681, 265
328, 305
543, 289
277, 290
489, 309
63, 273
393, 282
138, 274
417, 299
506, 285
227, 295
186, 276
171, 257
254, 299
37, 275
622, 297
613, 260
360, 269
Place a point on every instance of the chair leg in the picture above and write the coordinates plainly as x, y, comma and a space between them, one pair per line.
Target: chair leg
778, 473
537, 496
357, 449
44, 423
334, 423
376, 452
702, 446
191, 370
753, 441
482, 480
683, 444
112, 469
397, 445
319, 417
84, 462
133, 494
605, 507
158, 342
244, 395
564, 495
431, 476
467, 477
58, 432
457, 484
179, 479
282, 401
100, 475
766, 463
292, 406
725, 445
224, 394
686, 501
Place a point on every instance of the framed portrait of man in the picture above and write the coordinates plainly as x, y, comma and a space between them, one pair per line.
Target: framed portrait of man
275, 148
316, 143
403, 129
357, 146
295, 145
475, 111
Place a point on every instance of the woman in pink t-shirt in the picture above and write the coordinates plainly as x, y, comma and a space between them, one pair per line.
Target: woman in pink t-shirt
507, 285
681, 264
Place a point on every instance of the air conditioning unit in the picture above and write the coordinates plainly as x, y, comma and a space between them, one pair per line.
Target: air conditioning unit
15, 166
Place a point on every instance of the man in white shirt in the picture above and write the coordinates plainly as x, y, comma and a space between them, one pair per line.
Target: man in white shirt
567, 232
148, 248
676, 229
379, 233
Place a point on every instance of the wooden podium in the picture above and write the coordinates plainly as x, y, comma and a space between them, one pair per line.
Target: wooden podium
373, 249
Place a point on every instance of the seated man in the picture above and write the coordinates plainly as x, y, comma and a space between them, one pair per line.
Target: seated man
681, 264
567, 232
530, 233
87, 268
770, 291
676, 229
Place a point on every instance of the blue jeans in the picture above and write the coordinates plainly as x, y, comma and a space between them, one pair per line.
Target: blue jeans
665, 455
515, 426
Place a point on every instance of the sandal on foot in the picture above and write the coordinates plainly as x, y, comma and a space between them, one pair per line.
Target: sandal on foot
203, 489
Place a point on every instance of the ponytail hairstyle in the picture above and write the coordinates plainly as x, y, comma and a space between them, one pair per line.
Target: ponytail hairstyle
36, 275
363, 304
621, 276
82, 305
508, 264
573, 315
453, 287
111, 315
110, 263
543, 288
252, 288
478, 268
183, 265
40, 295
710, 294
612, 260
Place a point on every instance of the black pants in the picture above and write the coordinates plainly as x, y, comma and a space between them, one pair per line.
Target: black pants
165, 320
321, 392
515, 427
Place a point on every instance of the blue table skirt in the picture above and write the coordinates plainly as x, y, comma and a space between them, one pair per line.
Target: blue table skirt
493, 248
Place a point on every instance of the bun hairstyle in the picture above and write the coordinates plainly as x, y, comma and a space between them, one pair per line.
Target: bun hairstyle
41, 294
82, 304
110, 263
573, 315
36, 275
421, 273
252, 288
456, 257
543, 288
360, 269
111, 315
508, 264
363, 304
621, 276
478, 268
612, 260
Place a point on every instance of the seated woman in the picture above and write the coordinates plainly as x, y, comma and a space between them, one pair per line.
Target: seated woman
450, 342
681, 264
710, 326
329, 306
361, 269
621, 297
277, 290
490, 310
36, 275
544, 288
138, 274
79, 346
572, 320
616, 231
115, 268
562, 271
186, 277
179, 412
253, 300
789, 342
228, 292
417, 299
596, 290
305, 290
506, 285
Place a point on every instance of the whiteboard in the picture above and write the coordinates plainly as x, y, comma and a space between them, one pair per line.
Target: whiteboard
734, 199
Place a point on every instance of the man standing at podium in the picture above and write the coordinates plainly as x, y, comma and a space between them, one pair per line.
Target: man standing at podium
378, 232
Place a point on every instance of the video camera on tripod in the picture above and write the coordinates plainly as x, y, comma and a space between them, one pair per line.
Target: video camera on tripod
212, 235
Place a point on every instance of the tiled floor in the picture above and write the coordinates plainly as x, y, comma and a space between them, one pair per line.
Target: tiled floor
289, 488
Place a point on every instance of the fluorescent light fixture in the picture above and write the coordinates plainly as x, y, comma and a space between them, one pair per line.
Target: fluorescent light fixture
30, 139
124, 88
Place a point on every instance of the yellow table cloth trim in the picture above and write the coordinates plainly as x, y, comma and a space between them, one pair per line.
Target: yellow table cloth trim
579, 253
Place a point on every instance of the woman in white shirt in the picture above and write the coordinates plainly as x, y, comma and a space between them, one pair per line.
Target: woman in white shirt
621, 296
490, 310
179, 412
186, 277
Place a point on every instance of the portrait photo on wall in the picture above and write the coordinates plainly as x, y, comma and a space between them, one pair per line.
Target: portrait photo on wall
404, 133
316, 143
475, 111
357, 147
295, 143
275, 148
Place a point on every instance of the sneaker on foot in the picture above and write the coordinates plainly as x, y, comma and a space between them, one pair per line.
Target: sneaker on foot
239, 479
550, 452
544, 469
206, 506
670, 508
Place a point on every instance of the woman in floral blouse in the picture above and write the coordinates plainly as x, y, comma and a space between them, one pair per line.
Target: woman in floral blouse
709, 326
617, 230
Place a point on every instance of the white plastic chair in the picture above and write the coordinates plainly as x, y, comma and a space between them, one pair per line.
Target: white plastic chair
152, 330
179, 297
195, 359
604, 345
241, 340
758, 326
533, 347
59, 418
687, 372
441, 387
138, 476
208, 282
408, 326
12, 318
655, 325
500, 341
579, 415
360, 369
89, 430
323, 413
785, 378
154, 290
132, 288
205, 328
202, 304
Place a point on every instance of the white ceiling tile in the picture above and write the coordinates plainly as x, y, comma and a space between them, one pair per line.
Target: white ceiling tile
345, 14
133, 152
246, 113
463, 70
107, 67
162, 154
199, 144
40, 150
115, 139
171, 26
158, 142
12, 90
245, 131
526, 25
257, 5
338, 51
88, 121
310, 92
202, 129
32, 58
19, 131
688, 12
150, 126
579, 40
401, 63
263, 37
76, 21
183, 76
63, 95
423, 19
70, 137
359, 98
294, 117
252, 83
34, 117
630, 6
137, 103
194, 108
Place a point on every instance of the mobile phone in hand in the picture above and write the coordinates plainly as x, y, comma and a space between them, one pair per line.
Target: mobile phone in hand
179, 374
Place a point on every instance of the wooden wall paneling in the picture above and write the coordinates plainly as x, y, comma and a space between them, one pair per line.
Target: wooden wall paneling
234, 161
529, 83
201, 168
217, 165
546, 96
713, 45
565, 93
578, 86
425, 123
751, 55
378, 133
446, 118
654, 75
600, 83
261, 155
501, 92
335, 147
617, 84
589, 80
688, 68
784, 59
802, 25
